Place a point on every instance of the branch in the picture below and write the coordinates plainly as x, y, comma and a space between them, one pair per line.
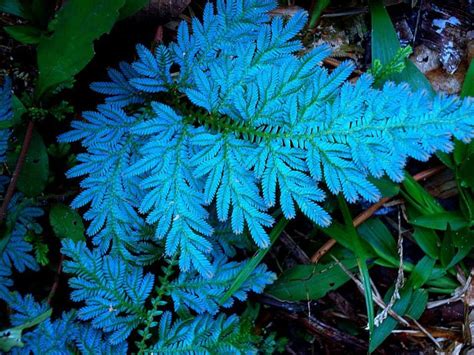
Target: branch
16, 173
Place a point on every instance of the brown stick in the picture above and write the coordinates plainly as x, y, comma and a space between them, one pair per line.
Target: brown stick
321, 329
361, 218
16, 172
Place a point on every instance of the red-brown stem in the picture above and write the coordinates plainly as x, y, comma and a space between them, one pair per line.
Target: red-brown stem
56, 280
16, 173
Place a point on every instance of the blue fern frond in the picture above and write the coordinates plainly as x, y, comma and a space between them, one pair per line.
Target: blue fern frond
15, 251
5, 282
112, 196
119, 91
173, 200
90, 341
114, 291
153, 69
6, 114
203, 335
200, 294
64, 335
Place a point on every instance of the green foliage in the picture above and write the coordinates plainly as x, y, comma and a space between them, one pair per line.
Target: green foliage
67, 51
25, 34
209, 144
311, 282
386, 48
66, 222
34, 175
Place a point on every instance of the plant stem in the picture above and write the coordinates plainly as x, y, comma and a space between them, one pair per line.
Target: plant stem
16, 173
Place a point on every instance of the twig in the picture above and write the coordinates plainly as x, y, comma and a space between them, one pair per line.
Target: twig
16, 172
56, 280
294, 249
378, 300
456, 297
426, 332
319, 328
365, 215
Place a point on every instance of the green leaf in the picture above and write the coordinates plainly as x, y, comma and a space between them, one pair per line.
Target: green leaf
380, 239
70, 48
383, 330
419, 198
318, 9
456, 246
466, 169
310, 282
34, 174
428, 240
385, 46
440, 221
131, 7
386, 186
418, 303
10, 338
363, 252
421, 272
24, 33
254, 261
66, 222
445, 282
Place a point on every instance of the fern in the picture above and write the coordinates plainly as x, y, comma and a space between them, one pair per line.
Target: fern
191, 291
64, 335
114, 291
202, 335
265, 128
6, 114
190, 165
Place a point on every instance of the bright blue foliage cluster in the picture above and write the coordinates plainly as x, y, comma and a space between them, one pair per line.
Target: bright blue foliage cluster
6, 114
249, 121
187, 164
267, 128
61, 336
202, 335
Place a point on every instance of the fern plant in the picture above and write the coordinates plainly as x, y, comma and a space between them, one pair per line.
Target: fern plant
196, 147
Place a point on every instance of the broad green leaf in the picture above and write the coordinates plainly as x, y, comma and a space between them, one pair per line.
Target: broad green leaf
34, 174
24, 33
380, 239
466, 169
131, 7
310, 282
65, 53
419, 198
385, 45
66, 222
383, 330
440, 221
456, 246
254, 261
428, 240
418, 303
421, 272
